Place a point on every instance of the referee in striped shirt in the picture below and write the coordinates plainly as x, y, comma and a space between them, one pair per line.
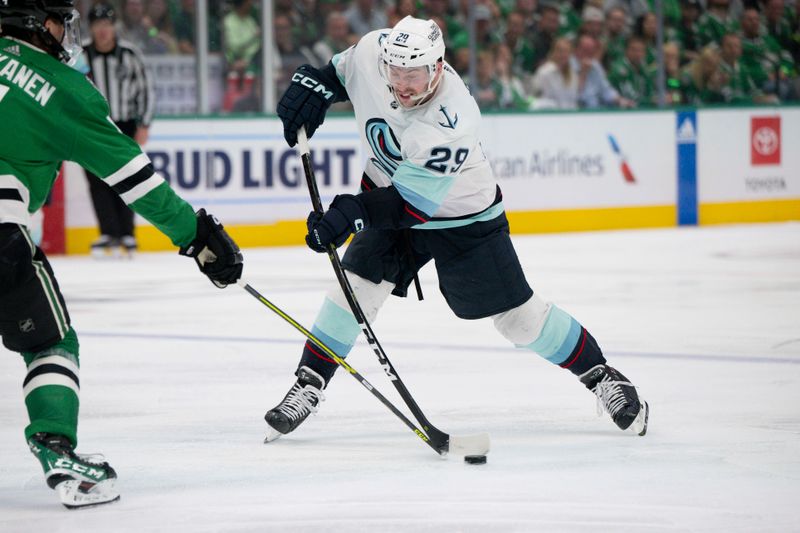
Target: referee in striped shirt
117, 69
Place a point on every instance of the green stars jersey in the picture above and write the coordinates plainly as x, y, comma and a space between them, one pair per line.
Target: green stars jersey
634, 82
50, 113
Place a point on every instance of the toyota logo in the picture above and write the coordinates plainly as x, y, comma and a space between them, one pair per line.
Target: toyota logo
765, 141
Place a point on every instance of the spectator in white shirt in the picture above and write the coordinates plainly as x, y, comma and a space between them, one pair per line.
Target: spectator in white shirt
555, 85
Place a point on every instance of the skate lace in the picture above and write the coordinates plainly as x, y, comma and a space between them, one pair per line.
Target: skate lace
300, 401
610, 396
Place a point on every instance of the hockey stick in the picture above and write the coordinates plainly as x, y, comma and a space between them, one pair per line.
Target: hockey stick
441, 441
478, 445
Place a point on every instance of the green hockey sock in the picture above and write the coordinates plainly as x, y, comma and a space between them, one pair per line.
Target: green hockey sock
51, 389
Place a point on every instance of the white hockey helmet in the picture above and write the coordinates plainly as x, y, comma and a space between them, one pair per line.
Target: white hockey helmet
413, 43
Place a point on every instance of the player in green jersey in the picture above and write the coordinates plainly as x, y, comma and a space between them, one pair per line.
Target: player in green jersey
50, 113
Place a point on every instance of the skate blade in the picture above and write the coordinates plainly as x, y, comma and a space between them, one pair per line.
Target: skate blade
639, 424
76, 494
477, 444
273, 435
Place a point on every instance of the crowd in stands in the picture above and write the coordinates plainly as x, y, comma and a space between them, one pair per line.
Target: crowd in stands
531, 54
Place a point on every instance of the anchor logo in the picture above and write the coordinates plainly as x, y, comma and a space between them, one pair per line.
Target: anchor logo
451, 122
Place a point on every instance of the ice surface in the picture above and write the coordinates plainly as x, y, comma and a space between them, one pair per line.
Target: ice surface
177, 375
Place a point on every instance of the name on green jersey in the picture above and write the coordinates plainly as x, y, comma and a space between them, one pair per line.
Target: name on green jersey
26, 79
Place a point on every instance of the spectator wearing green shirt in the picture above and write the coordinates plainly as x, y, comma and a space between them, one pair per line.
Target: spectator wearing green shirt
671, 10
631, 76
779, 22
184, 29
674, 91
488, 90
770, 66
546, 31
522, 55
307, 17
485, 37
687, 32
336, 39
615, 36
569, 19
512, 92
646, 28
738, 86
439, 10
716, 22
527, 8
242, 38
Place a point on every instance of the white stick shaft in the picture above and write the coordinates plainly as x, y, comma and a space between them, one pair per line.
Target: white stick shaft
302, 141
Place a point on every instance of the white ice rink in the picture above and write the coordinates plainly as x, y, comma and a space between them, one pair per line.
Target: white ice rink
177, 375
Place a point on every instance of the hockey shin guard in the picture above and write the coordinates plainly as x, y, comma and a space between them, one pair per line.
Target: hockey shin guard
52, 388
552, 333
338, 329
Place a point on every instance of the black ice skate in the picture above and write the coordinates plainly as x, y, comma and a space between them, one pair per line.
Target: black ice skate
618, 397
105, 247
79, 480
299, 402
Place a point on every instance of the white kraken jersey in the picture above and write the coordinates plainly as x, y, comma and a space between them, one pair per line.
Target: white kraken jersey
431, 152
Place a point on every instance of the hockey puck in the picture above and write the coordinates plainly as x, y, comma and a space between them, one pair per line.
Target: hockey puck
475, 459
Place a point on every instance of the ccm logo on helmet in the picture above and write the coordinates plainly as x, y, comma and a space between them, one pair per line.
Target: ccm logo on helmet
312, 84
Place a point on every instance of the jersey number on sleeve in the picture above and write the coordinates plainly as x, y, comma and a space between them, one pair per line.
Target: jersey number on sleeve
440, 159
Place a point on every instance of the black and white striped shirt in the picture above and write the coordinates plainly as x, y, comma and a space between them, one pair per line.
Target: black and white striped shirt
120, 76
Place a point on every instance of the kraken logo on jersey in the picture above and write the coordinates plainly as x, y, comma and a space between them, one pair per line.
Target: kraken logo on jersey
384, 145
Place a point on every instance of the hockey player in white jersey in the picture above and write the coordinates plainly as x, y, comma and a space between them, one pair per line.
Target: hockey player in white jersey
427, 192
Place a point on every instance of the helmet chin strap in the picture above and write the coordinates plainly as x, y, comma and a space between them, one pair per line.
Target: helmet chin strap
55, 46
432, 85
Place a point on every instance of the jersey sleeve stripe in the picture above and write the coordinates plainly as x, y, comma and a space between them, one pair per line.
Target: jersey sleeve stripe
142, 189
10, 194
421, 188
14, 210
132, 181
131, 167
335, 60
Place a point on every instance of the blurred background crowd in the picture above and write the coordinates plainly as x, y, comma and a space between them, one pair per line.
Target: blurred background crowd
528, 54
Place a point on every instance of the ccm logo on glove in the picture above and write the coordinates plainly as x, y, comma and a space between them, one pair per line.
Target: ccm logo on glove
312, 84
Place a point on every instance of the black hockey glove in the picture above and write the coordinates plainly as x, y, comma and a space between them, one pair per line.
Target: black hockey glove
305, 102
214, 251
346, 215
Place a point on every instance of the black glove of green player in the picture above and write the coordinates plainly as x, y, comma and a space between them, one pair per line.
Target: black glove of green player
346, 215
214, 251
